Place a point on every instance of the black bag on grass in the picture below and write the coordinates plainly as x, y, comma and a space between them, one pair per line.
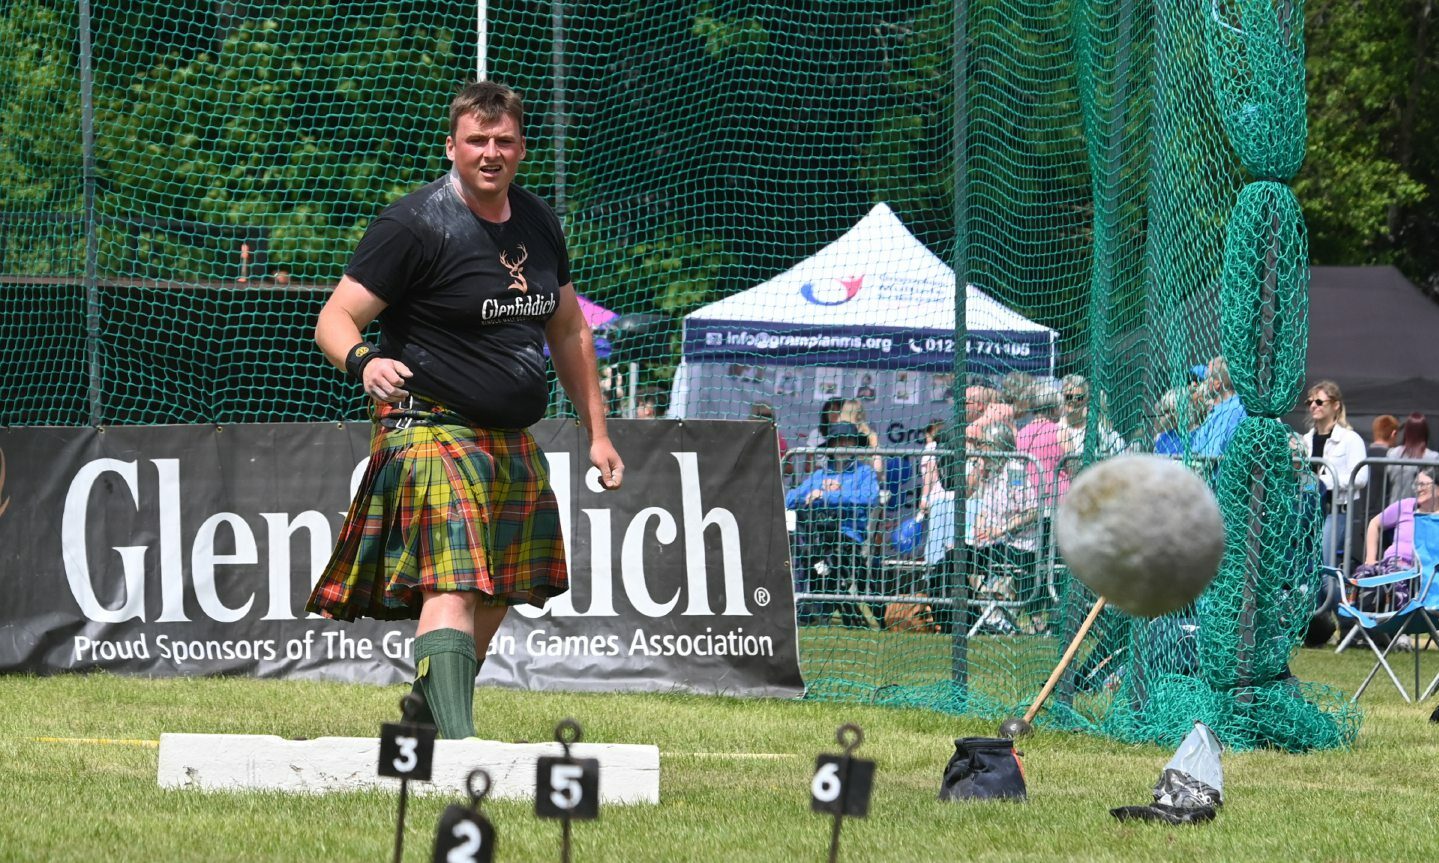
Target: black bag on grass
983, 768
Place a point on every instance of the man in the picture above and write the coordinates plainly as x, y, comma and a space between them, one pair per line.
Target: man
983, 408
832, 507
454, 520
1214, 434
1384, 435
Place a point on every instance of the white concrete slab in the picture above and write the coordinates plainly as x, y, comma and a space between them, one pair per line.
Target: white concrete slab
629, 773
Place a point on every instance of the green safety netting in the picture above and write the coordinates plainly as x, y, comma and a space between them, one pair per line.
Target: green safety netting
768, 202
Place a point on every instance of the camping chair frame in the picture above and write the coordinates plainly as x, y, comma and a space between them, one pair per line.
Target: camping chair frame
1415, 615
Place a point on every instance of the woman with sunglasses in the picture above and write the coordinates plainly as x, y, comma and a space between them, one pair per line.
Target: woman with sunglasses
1075, 421
1330, 438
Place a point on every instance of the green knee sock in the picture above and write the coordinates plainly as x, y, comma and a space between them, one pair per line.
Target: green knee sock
445, 669
425, 715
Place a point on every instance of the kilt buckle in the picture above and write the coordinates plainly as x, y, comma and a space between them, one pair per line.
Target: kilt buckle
407, 418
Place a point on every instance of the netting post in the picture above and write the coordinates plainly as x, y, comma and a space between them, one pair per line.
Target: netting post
482, 40
558, 102
92, 252
956, 565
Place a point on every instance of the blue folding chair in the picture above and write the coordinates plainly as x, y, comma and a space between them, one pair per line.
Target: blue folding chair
1398, 604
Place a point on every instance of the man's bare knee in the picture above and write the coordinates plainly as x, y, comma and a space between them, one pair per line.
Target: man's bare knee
448, 610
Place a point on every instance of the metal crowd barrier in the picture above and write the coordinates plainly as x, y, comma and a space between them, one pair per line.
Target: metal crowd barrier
875, 569
837, 573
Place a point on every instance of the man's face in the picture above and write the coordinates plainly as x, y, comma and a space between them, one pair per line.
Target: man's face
1212, 384
486, 155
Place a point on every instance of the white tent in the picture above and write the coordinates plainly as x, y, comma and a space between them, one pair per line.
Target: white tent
870, 315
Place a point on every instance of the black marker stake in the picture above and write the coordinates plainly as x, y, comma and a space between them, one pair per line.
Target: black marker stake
400, 822
406, 751
466, 835
567, 788
842, 784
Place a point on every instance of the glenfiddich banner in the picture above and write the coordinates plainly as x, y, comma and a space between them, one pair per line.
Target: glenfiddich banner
182, 550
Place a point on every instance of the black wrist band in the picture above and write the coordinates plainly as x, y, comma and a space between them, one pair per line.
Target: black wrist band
358, 357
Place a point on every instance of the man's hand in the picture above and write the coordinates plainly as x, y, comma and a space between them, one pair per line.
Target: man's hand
604, 457
385, 379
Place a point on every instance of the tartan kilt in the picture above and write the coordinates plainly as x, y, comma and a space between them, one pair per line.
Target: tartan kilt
444, 506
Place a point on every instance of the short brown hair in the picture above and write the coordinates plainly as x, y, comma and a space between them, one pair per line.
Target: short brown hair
1385, 426
489, 101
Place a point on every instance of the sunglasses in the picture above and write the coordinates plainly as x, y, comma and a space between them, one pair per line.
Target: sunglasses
1075, 397
1317, 402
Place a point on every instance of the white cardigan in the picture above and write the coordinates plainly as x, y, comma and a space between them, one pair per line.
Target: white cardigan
1344, 449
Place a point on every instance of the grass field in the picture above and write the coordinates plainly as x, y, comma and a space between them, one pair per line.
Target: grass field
734, 781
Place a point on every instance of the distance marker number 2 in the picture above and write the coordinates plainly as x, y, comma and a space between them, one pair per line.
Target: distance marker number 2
464, 837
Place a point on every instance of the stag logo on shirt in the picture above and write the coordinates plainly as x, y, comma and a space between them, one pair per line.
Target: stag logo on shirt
516, 268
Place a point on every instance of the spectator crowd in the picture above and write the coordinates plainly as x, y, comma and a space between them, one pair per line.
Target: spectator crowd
1021, 438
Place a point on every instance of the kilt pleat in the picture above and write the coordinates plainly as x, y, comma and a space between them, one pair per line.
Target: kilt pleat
445, 506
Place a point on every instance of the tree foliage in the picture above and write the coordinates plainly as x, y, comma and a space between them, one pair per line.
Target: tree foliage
1368, 182
275, 135
40, 152
297, 121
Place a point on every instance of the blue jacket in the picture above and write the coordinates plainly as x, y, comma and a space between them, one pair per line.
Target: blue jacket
858, 491
1213, 437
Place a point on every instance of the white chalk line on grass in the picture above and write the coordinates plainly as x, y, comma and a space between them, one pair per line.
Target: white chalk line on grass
153, 744
740, 756
98, 741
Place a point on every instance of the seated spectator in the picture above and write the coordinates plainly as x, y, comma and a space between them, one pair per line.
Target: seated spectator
828, 415
1214, 434
983, 406
1041, 438
937, 502
1399, 478
1001, 519
1017, 389
1397, 518
1074, 422
832, 507
852, 411
1342, 450
1005, 506
931, 478
1171, 434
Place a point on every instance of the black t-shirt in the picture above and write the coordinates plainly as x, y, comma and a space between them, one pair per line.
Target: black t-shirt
1316, 449
468, 299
